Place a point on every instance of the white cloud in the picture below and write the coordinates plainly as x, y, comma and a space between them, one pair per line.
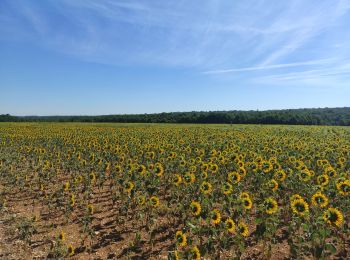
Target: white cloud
269, 67
245, 36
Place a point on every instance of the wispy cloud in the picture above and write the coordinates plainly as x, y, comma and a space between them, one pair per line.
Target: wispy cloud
269, 67
245, 36
307, 26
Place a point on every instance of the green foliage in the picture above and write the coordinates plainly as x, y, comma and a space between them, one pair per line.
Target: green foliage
26, 228
309, 116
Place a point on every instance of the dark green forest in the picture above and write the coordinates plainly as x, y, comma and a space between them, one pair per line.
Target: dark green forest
307, 116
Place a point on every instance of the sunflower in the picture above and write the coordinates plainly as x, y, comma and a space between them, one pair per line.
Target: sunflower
193, 168
299, 165
181, 239
247, 203
92, 177
214, 167
240, 165
266, 167
300, 207
243, 229
66, 186
280, 175
215, 217
159, 169
230, 225
176, 255
195, 253
330, 172
319, 199
72, 200
343, 187
189, 178
273, 185
70, 250
90, 209
333, 217
206, 187
234, 177
182, 162
253, 166
204, 167
227, 188
244, 195
322, 179
295, 197
195, 208
79, 179
204, 175
342, 160
128, 187
62, 236
273, 160
141, 200
305, 175
177, 179
270, 205
242, 172
141, 169
118, 169
154, 201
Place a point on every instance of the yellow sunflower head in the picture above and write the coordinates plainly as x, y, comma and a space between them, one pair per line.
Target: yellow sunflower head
322, 179
195, 208
70, 250
141, 200
247, 202
189, 178
128, 186
244, 195
227, 188
195, 253
270, 205
234, 177
242, 172
90, 209
62, 236
177, 179
215, 217
319, 199
343, 187
305, 175
300, 207
273, 185
92, 177
243, 229
230, 225
280, 175
206, 187
181, 239
333, 217
154, 201
295, 197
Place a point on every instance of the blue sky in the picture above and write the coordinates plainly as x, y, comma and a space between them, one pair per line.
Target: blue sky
63, 57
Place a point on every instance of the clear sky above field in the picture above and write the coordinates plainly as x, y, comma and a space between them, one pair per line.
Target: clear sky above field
110, 57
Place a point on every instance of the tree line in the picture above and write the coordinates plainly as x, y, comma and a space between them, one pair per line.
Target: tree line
306, 116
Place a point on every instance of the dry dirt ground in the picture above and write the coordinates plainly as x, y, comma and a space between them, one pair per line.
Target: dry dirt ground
113, 237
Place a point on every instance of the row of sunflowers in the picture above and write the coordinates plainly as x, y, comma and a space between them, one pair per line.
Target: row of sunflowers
220, 190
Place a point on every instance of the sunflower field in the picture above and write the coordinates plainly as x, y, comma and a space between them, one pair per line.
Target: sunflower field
163, 191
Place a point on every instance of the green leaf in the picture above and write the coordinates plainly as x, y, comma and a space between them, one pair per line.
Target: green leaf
331, 248
258, 220
191, 225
